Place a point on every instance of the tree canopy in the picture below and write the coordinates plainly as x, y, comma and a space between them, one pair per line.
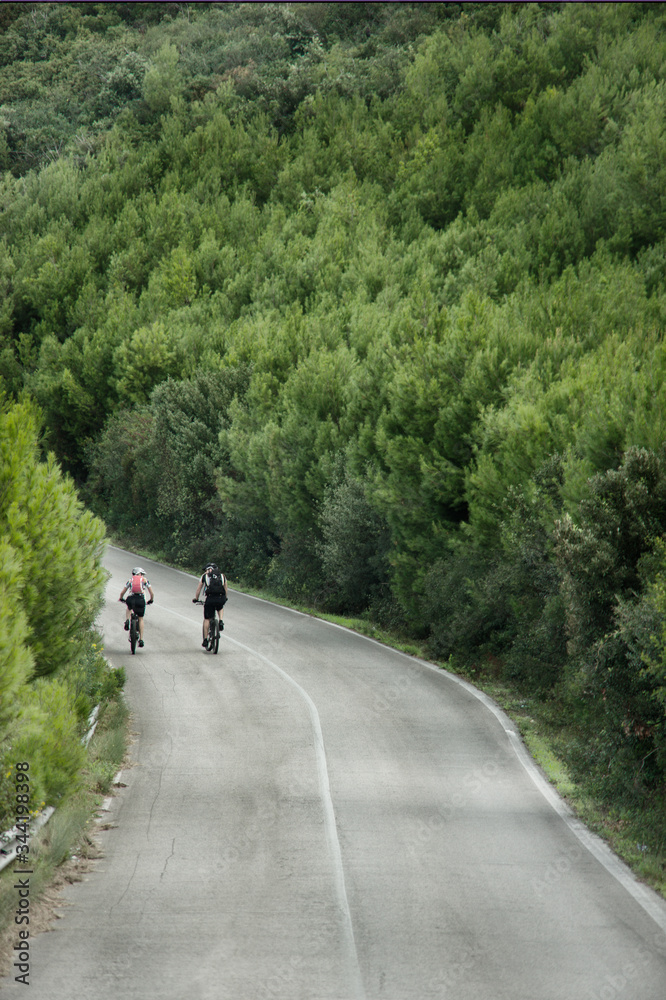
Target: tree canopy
368, 300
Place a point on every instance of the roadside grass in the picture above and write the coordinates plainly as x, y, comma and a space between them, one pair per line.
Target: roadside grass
65, 845
636, 834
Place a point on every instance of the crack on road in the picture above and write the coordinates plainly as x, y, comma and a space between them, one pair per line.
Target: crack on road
173, 845
152, 680
159, 787
119, 901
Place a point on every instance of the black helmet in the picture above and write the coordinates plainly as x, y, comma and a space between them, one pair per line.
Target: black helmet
211, 566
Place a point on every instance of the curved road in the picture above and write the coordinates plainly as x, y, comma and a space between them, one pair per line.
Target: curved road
312, 816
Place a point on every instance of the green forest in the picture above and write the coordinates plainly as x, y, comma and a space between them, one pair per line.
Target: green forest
367, 302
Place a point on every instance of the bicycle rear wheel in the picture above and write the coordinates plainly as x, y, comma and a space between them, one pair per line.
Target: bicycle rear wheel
216, 636
133, 632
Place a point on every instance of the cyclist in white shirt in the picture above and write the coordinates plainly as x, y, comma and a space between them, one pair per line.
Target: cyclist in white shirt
137, 585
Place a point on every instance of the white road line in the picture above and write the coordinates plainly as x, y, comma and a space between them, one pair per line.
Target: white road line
649, 900
351, 954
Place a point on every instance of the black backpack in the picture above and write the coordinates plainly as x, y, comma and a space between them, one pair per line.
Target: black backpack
215, 584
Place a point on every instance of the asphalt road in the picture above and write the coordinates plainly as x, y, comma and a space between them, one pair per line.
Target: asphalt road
311, 816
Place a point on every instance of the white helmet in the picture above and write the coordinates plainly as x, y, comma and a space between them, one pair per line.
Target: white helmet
137, 571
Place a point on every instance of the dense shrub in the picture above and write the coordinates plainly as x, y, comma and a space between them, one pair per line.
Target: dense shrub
51, 580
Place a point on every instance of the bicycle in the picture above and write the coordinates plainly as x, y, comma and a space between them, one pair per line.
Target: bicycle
213, 640
133, 632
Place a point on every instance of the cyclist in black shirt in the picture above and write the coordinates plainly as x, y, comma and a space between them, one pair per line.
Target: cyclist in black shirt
214, 585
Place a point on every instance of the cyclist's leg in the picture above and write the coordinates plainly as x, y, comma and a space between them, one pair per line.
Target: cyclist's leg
140, 608
129, 603
208, 615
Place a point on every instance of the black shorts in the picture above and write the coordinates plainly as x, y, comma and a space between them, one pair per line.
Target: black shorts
136, 602
212, 604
